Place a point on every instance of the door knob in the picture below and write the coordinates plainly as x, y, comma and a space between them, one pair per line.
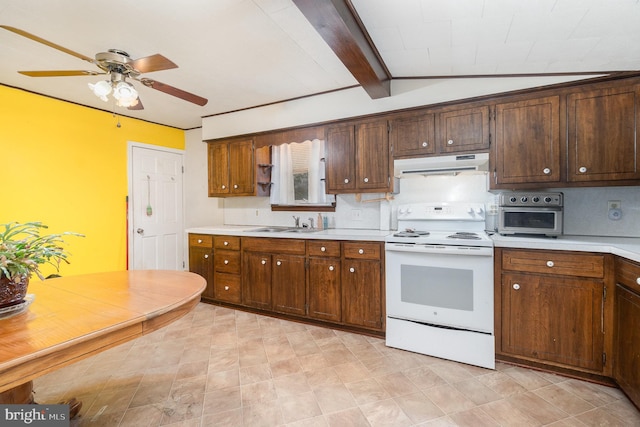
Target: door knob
140, 231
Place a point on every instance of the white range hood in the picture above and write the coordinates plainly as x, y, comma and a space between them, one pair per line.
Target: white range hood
441, 164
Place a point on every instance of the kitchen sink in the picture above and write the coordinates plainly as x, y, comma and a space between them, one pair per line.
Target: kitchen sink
282, 229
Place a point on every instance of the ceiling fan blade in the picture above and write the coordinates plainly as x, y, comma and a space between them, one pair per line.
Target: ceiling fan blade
47, 43
138, 106
153, 63
59, 73
179, 93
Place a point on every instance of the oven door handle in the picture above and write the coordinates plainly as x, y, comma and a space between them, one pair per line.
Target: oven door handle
440, 249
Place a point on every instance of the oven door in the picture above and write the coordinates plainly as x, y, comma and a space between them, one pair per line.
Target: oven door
445, 286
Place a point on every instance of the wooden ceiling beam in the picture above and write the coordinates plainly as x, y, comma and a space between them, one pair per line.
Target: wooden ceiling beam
339, 26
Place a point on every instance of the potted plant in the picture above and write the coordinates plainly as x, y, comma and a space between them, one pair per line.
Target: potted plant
22, 252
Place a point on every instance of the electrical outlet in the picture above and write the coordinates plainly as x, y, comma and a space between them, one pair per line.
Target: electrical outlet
356, 214
614, 204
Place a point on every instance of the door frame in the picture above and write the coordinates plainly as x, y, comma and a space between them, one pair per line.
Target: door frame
129, 201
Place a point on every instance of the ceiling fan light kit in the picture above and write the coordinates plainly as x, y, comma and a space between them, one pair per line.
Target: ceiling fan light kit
118, 66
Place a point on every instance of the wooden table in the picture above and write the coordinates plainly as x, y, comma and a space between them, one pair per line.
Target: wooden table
76, 317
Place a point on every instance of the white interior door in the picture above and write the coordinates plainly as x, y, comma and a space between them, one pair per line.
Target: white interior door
156, 222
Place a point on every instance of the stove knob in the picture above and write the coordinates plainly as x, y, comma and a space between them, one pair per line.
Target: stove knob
479, 211
524, 199
512, 199
471, 212
547, 199
535, 199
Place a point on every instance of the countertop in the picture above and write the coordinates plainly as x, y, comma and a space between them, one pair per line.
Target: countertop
627, 247
328, 234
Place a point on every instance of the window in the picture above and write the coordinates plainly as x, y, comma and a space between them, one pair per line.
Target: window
298, 175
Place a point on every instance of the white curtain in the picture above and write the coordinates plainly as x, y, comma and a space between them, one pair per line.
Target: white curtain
282, 191
316, 172
282, 176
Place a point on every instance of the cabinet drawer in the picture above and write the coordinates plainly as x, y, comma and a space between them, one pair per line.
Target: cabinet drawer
227, 261
227, 242
201, 240
628, 274
227, 287
323, 248
552, 262
362, 250
274, 246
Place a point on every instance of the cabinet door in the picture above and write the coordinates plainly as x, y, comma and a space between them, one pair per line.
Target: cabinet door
464, 130
413, 136
325, 296
527, 141
341, 153
218, 169
362, 293
602, 134
201, 262
555, 319
372, 157
256, 280
242, 169
289, 284
627, 347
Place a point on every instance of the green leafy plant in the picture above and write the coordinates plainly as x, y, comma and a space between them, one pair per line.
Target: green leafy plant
23, 250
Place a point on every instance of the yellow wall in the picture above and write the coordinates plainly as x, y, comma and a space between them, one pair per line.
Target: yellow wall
66, 165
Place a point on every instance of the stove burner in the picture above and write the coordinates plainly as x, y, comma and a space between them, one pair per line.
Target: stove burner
464, 235
410, 232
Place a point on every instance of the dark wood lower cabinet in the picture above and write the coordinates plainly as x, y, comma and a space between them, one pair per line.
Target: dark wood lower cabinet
627, 333
361, 295
288, 284
556, 319
325, 289
256, 280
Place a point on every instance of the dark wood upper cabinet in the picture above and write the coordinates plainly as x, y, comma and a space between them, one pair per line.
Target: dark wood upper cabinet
231, 168
413, 136
358, 158
464, 130
602, 134
527, 141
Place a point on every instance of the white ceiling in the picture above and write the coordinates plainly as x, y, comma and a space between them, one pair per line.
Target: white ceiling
245, 53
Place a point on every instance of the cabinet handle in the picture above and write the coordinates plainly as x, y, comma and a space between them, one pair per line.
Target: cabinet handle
360, 251
278, 262
263, 262
546, 171
199, 240
352, 270
331, 269
516, 286
224, 187
235, 186
366, 180
206, 256
425, 143
323, 249
226, 288
226, 243
550, 264
226, 261
346, 180
450, 142
638, 280
582, 169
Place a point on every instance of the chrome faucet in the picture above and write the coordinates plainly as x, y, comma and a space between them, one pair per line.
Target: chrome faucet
311, 222
297, 221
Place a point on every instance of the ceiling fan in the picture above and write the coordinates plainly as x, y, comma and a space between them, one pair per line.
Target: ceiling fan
118, 66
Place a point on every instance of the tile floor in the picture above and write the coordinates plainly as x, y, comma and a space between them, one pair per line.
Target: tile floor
221, 367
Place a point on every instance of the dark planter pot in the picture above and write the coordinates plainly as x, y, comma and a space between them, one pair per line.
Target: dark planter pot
12, 293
